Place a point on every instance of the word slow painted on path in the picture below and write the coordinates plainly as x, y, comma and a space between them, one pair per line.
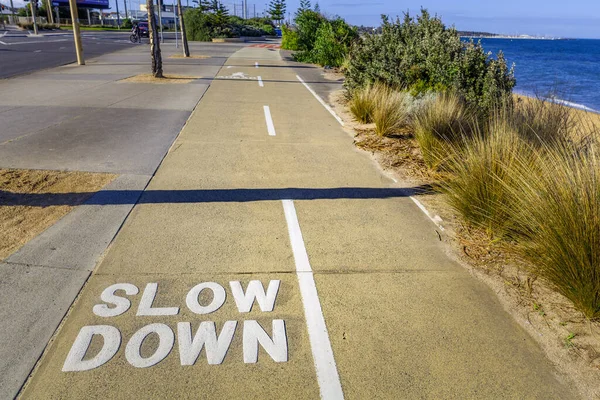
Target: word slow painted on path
190, 344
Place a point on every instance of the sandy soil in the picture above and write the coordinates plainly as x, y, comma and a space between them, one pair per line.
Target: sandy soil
24, 210
149, 78
192, 56
571, 342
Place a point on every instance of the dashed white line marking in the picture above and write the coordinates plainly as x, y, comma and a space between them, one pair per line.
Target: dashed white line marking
270, 126
321, 101
37, 51
256, 65
435, 219
62, 48
327, 374
260, 82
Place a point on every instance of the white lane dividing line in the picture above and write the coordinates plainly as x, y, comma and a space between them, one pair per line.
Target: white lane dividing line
260, 82
37, 51
327, 374
321, 101
436, 219
270, 126
256, 64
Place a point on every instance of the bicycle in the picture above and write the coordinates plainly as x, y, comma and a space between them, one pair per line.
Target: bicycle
135, 38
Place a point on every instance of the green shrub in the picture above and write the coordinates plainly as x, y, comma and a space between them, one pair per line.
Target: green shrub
332, 42
391, 113
557, 221
422, 55
440, 126
328, 50
308, 23
126, 23
289, 39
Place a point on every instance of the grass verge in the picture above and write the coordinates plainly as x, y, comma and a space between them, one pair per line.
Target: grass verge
26, 211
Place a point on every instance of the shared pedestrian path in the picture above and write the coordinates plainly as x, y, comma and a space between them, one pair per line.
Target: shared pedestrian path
270, 259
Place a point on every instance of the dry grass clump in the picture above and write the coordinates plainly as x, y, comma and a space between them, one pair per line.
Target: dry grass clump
523, 177
556, 220
540, 121
480, 170
391, 112
387, 108
440, 125
362, 103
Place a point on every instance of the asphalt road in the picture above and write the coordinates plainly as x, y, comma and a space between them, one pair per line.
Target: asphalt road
21, 53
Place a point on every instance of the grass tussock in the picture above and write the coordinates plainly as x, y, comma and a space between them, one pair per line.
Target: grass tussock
439, 126
391, 112
480, 169
362, 103
542, 122
556, 221
527, 174
387, 108
527, 177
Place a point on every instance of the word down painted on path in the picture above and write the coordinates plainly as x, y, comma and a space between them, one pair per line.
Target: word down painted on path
189, 339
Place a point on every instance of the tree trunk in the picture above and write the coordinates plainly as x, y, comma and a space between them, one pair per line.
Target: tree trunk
186, 50
157, 70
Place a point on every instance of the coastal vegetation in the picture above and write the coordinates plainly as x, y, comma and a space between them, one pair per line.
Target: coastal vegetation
523, 172
318, 39
213, 21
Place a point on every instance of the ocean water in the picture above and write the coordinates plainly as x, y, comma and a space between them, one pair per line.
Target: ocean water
569, 70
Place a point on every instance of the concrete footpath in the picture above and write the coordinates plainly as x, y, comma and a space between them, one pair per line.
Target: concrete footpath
83, 119
269, 259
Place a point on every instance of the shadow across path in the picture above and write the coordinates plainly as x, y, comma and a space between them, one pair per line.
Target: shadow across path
119, 197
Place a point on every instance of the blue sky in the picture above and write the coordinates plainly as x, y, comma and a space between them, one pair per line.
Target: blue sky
575, 18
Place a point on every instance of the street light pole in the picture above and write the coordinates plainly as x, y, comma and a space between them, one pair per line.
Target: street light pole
76, 33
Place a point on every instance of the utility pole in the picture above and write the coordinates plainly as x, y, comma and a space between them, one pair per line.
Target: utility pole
76, 33
118, 15
89, 18
33, 14
254, 10
125, 4
49, 12
176, 14
57, 15
186, 50
12, 10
